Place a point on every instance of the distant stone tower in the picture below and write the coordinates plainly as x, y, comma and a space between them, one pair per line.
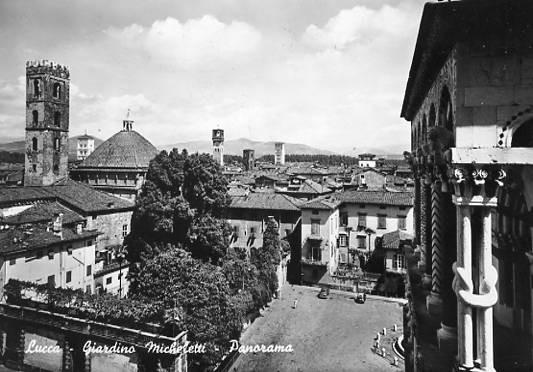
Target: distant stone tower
248, 158
47, 123
218, 146
279, 154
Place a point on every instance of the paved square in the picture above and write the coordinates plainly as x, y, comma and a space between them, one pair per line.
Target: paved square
336, 334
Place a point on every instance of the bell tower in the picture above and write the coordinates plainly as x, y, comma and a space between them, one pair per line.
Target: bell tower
47, 123
218, 146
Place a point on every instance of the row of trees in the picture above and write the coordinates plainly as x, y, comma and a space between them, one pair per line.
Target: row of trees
315, 158
299, 158
11, 157
180, 257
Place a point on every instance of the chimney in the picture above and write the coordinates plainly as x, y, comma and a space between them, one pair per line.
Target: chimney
79, 229
58, 224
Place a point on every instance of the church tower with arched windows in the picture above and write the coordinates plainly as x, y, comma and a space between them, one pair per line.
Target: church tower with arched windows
47, 123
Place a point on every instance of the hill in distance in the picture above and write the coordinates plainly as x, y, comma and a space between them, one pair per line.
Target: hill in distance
18, 146
235, 147
13, 146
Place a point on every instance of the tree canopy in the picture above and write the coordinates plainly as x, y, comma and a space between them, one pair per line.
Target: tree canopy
181, 204
180, 258
199, 290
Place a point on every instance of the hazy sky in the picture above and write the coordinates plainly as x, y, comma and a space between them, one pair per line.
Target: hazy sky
330, 74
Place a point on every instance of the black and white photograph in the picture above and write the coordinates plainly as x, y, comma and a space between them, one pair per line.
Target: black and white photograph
266, 186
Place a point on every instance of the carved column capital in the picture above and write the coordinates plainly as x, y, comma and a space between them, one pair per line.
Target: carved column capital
476, 184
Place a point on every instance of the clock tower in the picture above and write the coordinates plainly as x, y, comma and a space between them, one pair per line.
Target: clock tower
218, 146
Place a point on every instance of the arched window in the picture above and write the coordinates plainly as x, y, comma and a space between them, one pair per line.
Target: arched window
445, 110
57, 118
424, 130
523, 136
34, 144
431, 119
35, 117
36, 87
57, 90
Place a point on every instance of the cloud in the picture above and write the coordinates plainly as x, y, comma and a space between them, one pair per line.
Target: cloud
358, 25
332, 79
200, 41
11, 90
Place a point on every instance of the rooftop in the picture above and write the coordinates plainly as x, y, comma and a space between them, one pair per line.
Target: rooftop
43, 212
268, 201
328, 202
125, 149
379, 197
75, 195
22, 238
309, 187
394, 239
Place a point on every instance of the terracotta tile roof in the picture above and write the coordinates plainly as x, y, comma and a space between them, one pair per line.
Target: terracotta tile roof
273, 176
23, 239
268, 201
310, 186
16, 194
84, 198
125, 149
393, 240
43, 212
75, 195
378, 197
328, 202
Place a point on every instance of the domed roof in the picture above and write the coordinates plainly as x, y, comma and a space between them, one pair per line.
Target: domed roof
125, 149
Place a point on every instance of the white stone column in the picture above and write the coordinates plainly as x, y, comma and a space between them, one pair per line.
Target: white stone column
487, 296
464, 312
485, 321
530, 260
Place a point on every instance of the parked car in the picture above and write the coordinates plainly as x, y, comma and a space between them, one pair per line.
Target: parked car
360, 298
324, 293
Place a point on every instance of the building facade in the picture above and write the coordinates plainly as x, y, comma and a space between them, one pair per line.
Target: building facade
367, 215
320, 234
84, 147
392, 246
248, 216
343, 227
469, 102
56, 253
367, 161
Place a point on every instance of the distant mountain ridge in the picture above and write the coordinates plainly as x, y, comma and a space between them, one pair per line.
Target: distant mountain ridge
235, 147
18, 146
231, 147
